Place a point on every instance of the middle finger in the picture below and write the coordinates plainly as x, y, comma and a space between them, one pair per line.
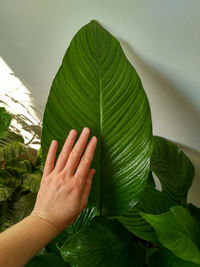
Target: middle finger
77, 151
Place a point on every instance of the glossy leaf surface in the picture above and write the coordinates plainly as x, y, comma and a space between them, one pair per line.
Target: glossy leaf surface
153, 202
97, 87
178, 231
103, 243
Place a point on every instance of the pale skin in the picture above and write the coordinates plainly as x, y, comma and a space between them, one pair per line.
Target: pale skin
63, 194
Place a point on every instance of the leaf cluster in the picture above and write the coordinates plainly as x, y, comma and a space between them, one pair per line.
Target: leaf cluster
127, 222
19, 176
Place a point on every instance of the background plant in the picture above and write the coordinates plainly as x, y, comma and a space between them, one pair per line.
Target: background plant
20, 173
127, 222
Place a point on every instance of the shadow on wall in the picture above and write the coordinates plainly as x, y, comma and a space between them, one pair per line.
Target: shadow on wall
173, 115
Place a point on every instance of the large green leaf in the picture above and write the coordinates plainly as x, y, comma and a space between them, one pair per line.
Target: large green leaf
5, 119
47, 260
103, 243
173, 168
11, 147
96, 86
153, 202
164, 258
178, 231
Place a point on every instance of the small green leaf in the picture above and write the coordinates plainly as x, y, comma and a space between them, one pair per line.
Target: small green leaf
5, 119
178, 231
173, 168
165, 258
103, 243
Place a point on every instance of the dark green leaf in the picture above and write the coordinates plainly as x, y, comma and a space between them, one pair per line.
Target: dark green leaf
173, 168
6, 212
150, 180
178, 231
164, 258
5, 119
103, 243
152, 201
96, 86
23, 207
47, 260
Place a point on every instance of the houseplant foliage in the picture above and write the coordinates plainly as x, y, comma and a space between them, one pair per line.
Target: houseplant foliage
127, 222
19, 176
96, 86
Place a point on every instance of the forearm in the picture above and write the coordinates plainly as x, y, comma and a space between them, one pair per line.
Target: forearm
19, 243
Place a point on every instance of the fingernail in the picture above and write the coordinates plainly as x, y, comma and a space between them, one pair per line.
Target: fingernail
53, 143
94, 139
72, 132
86, 130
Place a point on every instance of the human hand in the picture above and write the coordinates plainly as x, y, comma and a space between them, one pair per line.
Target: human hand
64, 190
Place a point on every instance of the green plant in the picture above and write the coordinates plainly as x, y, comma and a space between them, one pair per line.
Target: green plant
127, 222
19, 176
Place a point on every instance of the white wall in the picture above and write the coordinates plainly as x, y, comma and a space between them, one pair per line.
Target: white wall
161, 39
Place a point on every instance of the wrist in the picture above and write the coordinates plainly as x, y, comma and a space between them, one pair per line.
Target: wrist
44, 221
